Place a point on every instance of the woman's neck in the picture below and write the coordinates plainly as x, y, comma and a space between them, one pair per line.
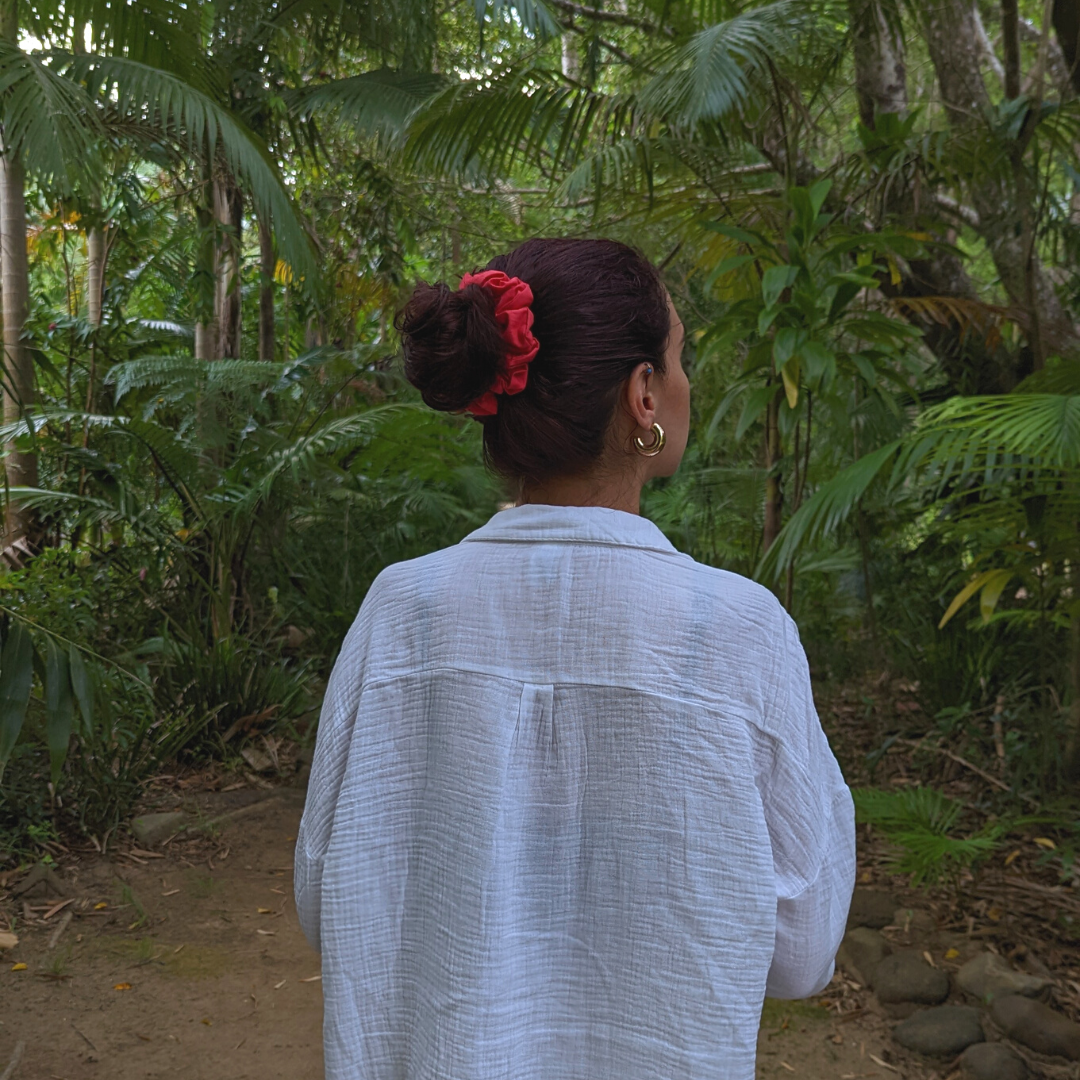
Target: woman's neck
615, 493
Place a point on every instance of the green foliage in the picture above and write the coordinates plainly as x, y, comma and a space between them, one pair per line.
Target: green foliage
922, 823
205, 531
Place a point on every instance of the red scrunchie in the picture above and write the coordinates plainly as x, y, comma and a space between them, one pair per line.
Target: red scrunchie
515, 319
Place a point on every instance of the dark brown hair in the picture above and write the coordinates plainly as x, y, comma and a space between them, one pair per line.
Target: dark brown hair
599, 310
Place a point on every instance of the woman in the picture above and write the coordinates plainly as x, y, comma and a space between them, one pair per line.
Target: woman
571, 814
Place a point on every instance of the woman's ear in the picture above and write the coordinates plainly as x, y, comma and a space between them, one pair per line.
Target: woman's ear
640, 396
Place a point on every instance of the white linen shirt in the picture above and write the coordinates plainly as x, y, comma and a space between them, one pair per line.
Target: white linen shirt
571, 813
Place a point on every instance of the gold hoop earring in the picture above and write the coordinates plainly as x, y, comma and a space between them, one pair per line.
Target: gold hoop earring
659, 438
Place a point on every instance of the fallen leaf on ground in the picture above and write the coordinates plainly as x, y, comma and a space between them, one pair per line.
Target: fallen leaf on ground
929, 959
265, 911
99, 906
122, 986
8, 940
787, 1066
1012, 857
884, 1064
18, 967
268, 933
56, 907
994, 914
312, 978
279, 985
171, 892
1046, 842
952, 954
207, 1022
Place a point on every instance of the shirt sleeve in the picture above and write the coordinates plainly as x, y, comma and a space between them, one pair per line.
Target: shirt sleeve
811, 822
337, 721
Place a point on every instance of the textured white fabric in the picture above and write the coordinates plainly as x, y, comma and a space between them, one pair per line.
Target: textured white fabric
571, 814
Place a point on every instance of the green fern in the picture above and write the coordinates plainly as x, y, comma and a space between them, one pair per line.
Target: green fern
920, 822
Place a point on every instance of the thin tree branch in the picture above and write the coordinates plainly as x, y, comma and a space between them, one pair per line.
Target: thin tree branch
617, 17
966, 214
1010, 34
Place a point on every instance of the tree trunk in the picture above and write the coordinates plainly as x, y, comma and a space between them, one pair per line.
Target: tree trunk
267, 265
206, 328
774, 484
1066, 18
1010, 39
228, 213
571, 64
880, 71
18, 383
956, 53
95, 272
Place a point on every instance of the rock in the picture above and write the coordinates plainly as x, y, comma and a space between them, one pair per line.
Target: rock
42, 880
993, 1061
151, 829
871, 908
988, 976
861, 951
916, 921
906, 976
1037, 1026
259, 760
900, 1010
945, 1030
8, 940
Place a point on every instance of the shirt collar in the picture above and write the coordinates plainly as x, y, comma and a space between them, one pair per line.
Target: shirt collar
537, 522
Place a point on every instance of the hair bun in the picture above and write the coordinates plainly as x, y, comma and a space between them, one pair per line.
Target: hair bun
452, 344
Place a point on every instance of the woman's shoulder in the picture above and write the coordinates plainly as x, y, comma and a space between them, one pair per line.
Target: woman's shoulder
729, 589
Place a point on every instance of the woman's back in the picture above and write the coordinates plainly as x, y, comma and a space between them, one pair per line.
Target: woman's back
570, 809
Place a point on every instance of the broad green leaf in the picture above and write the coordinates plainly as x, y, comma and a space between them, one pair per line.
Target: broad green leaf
726, 266
767, 317
734, 232
82, 685
16, 676
818, 195
865, 368
775, 280
826, 510
59, 706
790, 374
991, 593
784, 345
992, 579
820, 363
754, 407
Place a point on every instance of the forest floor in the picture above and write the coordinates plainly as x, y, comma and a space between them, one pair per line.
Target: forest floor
187, 960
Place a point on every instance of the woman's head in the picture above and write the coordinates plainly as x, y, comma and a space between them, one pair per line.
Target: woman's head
608, 361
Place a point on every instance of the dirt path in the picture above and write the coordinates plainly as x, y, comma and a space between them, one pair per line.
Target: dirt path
218, 981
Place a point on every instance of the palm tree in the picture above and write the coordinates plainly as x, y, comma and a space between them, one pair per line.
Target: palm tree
55, 106
18, 383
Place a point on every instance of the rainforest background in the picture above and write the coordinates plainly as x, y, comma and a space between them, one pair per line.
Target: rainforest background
867, 212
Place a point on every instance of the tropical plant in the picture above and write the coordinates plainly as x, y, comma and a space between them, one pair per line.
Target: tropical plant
922, 823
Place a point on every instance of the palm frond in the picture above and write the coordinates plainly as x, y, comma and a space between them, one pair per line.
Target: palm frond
487, 126
184, 372
165, 103
1042, 427
48, 119
375, 103
534, 16
709, 77
826, 510
301, 456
